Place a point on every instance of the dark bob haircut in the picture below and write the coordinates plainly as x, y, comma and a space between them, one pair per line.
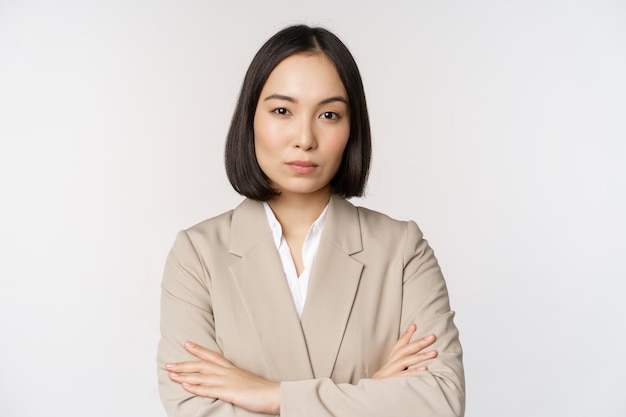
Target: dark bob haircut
242, 168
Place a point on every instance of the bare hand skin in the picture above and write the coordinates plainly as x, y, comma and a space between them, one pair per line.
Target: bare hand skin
214, 376
405, 354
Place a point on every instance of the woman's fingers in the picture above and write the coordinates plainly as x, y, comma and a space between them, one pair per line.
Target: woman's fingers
414, 371
215, 377
200, 390
412, 347
208, 363
193, 378
404, 339
405, 355
403, 366
206, 354
201, 367
412, 360
408, 334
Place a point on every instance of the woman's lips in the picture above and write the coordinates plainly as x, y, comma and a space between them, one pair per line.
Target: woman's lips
302, 167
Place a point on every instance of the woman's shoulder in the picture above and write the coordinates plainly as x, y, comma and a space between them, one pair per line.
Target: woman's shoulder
374, 218
212, 223
210, 233
211, 227
383, 226
247, 219
381, 233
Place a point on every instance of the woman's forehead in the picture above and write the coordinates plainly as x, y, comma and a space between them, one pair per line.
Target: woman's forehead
306, 76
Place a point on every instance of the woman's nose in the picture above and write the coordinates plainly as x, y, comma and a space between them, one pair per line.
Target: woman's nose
305, 139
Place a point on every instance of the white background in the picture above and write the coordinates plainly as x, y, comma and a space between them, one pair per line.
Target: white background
499, 126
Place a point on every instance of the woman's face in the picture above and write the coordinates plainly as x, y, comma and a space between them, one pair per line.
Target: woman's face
302, 125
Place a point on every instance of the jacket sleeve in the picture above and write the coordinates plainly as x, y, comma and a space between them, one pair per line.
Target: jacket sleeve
187, 314
440, 391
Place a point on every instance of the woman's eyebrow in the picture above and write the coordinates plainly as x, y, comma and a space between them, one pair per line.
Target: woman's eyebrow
280, 97
333, 99
293, 100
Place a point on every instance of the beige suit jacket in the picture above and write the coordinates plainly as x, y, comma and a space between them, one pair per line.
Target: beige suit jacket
224, 288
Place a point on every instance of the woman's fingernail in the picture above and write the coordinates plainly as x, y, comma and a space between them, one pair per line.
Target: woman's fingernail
421, 368
430, 337
431, 353
170, 365
174, 375
189, 345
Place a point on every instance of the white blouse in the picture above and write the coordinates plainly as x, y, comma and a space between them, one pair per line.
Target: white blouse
297, 285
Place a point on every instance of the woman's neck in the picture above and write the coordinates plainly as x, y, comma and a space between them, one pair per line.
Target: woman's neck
297, 212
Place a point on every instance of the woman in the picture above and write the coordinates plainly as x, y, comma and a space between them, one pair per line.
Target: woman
296, 302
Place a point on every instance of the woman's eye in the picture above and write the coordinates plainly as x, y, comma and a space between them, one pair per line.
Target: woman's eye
331, 115
281, 110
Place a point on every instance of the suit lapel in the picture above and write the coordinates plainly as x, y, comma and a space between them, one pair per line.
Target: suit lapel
261, 282
334, 281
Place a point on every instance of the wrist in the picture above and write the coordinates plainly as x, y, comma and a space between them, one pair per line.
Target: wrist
275, 398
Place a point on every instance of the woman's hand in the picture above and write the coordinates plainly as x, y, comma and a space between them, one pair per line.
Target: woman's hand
405, 354
214, 376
